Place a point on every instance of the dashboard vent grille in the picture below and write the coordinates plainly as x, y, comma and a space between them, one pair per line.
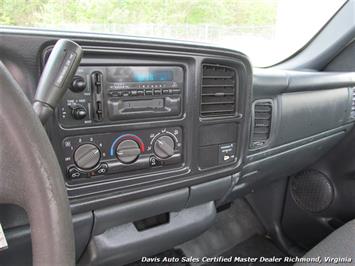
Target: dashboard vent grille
353, 103
261, 119
218, 91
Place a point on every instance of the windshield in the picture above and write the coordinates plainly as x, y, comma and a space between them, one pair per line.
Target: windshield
268, 31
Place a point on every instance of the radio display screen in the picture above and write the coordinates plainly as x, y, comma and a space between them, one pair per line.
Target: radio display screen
157, 75
143, 74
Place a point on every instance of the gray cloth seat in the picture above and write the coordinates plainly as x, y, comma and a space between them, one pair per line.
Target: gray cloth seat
339, 244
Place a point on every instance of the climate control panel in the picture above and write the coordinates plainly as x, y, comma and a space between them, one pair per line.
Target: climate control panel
100, 155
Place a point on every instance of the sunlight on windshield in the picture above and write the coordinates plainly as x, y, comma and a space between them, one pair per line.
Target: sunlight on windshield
268, 31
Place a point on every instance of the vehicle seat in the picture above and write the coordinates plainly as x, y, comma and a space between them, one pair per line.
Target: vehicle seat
339, 244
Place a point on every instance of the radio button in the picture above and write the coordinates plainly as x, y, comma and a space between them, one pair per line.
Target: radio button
176, 91
133, 93
113, 93
165, 91
78, 84
125, 93
157, 91
78, 112
140, 92
149, 92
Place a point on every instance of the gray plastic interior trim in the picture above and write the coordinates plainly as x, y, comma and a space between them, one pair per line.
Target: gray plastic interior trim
287, 162
291, 145
123, 244
303, 114
271, 82
210, 191
139, 209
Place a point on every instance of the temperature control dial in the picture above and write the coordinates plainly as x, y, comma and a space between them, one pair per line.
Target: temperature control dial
87, 156
164, 147
127, 151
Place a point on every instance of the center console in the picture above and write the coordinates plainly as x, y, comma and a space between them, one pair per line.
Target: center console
135, 124
107, 95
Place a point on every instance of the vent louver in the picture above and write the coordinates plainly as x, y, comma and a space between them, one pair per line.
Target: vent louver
353, 103
218, 91
261, 127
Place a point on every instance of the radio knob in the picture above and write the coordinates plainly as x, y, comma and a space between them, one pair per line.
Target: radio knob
87, 156
164, 147
128, 151
78, 112
78, 84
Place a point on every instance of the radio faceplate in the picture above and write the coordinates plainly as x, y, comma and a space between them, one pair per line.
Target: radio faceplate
107, 95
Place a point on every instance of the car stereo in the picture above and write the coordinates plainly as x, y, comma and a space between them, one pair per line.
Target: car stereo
108, 94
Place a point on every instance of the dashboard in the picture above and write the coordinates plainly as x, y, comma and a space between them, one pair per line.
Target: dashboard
170, 131
140, 120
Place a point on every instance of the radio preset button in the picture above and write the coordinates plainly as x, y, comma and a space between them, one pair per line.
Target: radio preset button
128, 151
149, 92
114, 93
140, 92
157, 91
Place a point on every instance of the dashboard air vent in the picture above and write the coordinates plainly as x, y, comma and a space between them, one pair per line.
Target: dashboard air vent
261, 123
218, 91
352, 103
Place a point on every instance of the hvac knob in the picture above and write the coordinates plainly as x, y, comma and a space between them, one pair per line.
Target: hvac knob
87, 156
164, 147
127, 151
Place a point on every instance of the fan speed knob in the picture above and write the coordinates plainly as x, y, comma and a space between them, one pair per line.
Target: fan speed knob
87, 156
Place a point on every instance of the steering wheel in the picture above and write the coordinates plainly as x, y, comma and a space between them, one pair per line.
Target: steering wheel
31, 177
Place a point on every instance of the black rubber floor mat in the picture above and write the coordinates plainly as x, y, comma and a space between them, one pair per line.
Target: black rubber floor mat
256, 248
163, 259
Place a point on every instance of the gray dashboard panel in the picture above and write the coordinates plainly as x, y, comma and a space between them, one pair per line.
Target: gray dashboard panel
311, 114
123, 244
303, 114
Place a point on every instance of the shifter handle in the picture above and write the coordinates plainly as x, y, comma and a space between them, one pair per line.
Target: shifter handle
56, 77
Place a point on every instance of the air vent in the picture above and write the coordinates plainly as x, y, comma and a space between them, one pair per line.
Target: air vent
353, 103
261, 127
218, 92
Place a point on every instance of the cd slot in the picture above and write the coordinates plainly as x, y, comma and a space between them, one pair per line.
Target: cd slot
156, 107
